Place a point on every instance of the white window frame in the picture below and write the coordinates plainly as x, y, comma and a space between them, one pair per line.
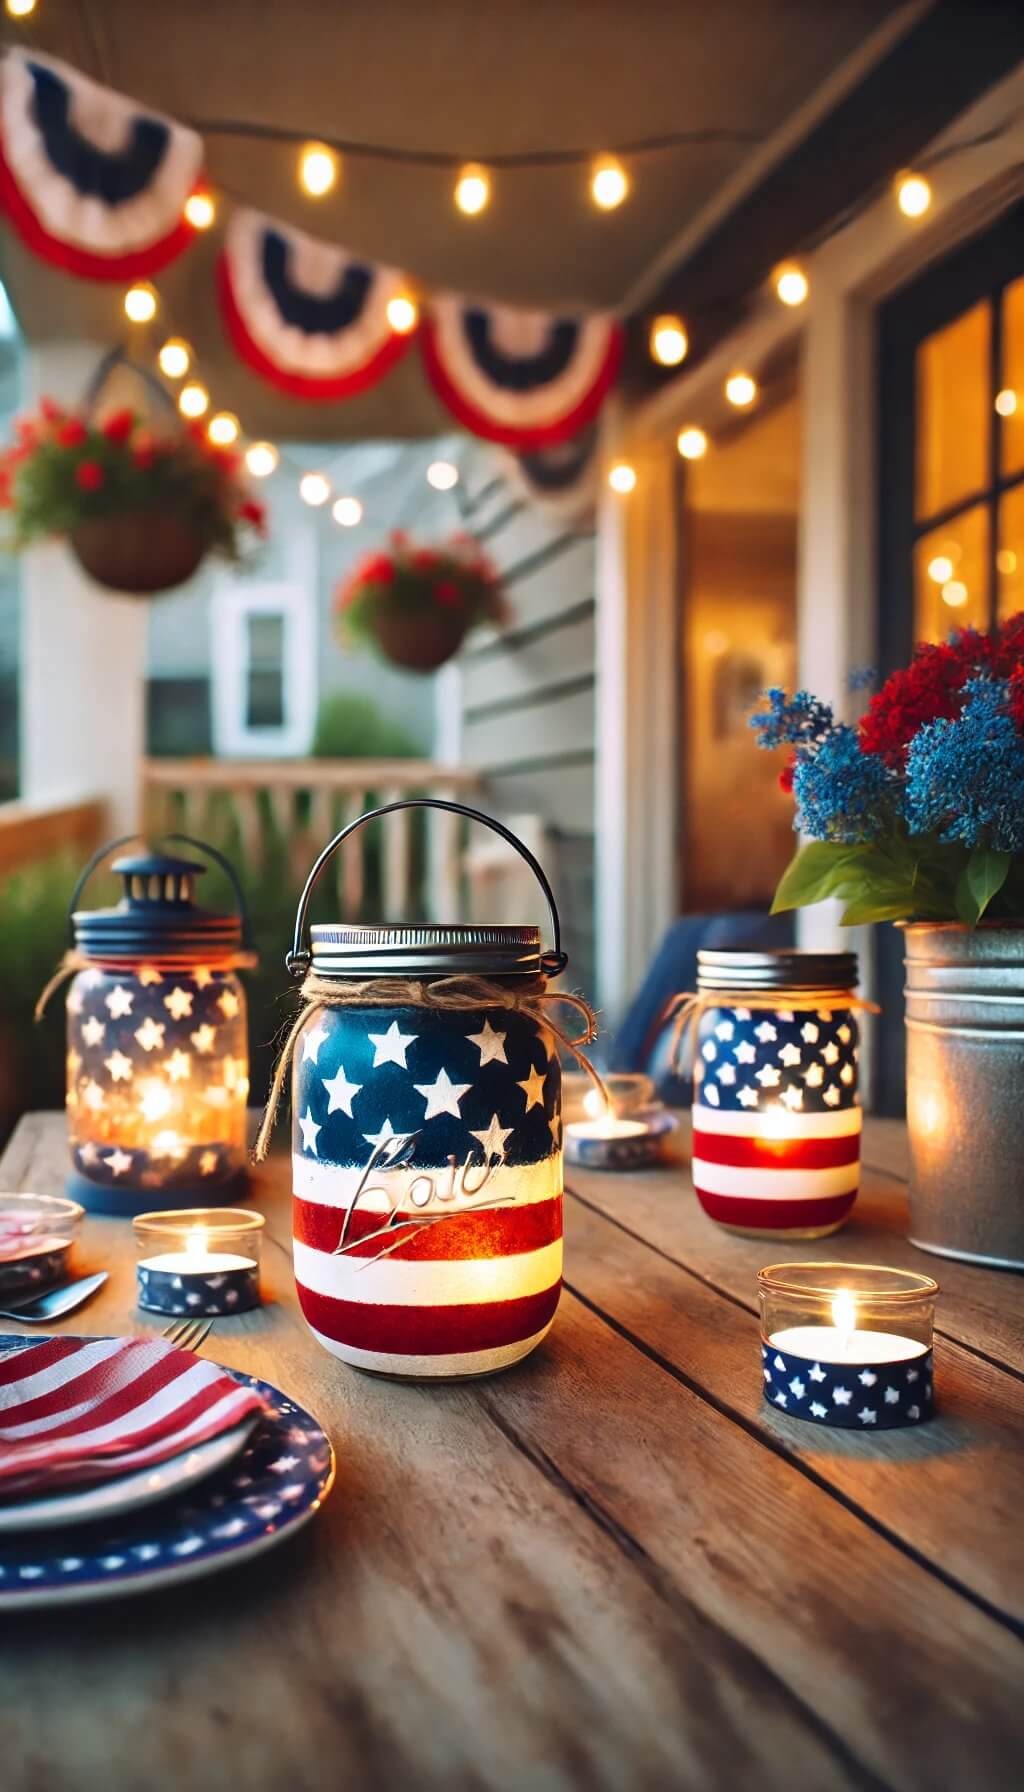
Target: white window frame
233, 605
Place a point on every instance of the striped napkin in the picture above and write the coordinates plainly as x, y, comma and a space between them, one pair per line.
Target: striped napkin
77, 1410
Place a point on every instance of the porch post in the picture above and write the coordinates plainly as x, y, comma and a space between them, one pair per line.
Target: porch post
82, 692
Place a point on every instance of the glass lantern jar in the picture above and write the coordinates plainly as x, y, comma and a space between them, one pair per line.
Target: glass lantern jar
158, 1057
427, 1161
776, 1112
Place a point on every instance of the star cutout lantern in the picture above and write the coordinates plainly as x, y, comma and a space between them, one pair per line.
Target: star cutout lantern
178, 1003
119, 1001
93, 1030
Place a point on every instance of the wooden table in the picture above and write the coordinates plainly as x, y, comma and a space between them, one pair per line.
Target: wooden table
610, 1567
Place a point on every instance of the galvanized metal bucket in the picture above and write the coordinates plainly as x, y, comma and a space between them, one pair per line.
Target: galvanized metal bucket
965, 1091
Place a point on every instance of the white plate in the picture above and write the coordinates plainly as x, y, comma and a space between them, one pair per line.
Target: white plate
109, 1499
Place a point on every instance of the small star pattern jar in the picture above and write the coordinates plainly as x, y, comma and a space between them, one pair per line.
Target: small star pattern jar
427, 1160
158, 1058
776, 1112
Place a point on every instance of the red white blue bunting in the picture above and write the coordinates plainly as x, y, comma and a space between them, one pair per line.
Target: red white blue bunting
524, 378
308, 316
560, 481
91, 181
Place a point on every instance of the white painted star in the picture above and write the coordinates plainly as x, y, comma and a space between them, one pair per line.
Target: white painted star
767, 1076
341, 1092
817, 1410
492, 1141
867, 1415
383, 1137
310, 1129
179, 1003
913, 1412
207, 1163
711, 1095
912, 1374
867, 1378
148, 974
311, 1044
766, 1032
284, 1464
492, 1045
842, 1396
533, 1088
442, 1096
725, 1029
793, 1097
151, 1034
118, 1163
709, 1050
797, 1388
391, 1047
119, 1001
178, 1067
745, 1052
203, 1038
741, 1013
830, 1052
787, 1015
831, 1096
780, 1398
119, 1066
790, 1055
809, 1033
779, 1364
747, 1097
93, 1030
228, 1003
726, 1074
555, 1124
814, 1076
892, 1396
816, 1373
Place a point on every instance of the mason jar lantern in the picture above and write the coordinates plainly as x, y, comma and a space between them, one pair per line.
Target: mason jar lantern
157, 1060
426, 1154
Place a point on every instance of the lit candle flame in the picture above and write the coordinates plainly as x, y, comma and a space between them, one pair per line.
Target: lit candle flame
196, 1241
594, 1105
844, 1312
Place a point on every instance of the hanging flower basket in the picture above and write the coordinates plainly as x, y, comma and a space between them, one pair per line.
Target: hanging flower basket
139, 510
416, 605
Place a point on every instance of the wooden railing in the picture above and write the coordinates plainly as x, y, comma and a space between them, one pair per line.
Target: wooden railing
31, 832
300, 803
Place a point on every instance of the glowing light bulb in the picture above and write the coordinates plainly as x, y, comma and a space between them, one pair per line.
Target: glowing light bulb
193, 399
314, 489
174, 358
1006, 561
261, 458
1006, 402
609, 183
347, 511
940, 568
472, 189
318, 169
223, 429
140, 302
955, 594
403, 314
913, 195
442, 475
692, 443
622, 477
200, 210
668, 341
844, 1311
740, 390
791, 283
20, 9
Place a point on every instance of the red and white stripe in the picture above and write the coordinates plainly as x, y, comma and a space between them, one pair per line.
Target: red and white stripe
776, 1171
462, 1295
76, 1410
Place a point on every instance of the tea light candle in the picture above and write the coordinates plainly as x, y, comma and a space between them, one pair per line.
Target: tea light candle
36, 1237
210, 1268
847, 1344
607, 1141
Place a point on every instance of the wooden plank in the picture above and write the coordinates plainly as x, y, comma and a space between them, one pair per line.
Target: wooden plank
564, 794
397, 847
543, 588
543, 731
300, 774
31, 832
501, 678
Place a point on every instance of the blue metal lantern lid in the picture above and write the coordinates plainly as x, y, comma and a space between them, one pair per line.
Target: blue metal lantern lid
157, 916
788, 969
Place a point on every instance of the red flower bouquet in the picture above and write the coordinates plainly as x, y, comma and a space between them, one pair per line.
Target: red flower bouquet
417, 604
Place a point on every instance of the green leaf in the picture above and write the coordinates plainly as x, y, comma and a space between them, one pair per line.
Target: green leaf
816, 871
878, 906
982, 878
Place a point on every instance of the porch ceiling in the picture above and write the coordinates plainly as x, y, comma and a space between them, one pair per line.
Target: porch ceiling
470, 77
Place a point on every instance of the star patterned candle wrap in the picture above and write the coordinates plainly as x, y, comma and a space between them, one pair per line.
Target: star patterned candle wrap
776, 1113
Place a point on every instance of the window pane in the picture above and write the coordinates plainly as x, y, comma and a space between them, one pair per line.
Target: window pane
265, 681
1011, 430
953, 412
951, 576
1010, 557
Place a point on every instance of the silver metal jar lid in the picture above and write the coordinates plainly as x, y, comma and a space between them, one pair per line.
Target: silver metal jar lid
341, 951
789, 969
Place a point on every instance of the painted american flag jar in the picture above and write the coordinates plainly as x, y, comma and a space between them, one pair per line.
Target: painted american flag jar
426, 1153
776, 1110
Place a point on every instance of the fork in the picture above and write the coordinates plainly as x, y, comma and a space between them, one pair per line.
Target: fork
188, 1334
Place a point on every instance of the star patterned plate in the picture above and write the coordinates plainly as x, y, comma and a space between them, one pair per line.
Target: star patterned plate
265, 1494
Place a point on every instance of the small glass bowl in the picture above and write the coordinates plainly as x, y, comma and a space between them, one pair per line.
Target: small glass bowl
37, 1236
628, 1093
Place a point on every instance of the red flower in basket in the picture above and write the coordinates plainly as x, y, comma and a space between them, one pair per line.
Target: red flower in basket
89, 475
72, 433
118, 427
416, 604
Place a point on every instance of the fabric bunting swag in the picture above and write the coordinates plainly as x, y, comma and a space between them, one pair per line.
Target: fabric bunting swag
308, 316
561, 481
91, 182
524, 378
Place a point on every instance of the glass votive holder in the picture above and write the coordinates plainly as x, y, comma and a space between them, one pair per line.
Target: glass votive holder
848, 1343
203, 1262
612, 1141
628, 1091
37, 1236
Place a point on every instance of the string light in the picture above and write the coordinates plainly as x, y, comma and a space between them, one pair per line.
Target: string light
940, 569
472, 189
692, 443
609, 183
403, 314
1006, 402
442, 475
314, 489
622, 477
140, 303
668, 341
200, 210
913, 195
791, 283
318, 169
954, 593
740, 390
193, 399
261, 458
1006, 562
20, 9
347, 511
175, 358
223, 429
